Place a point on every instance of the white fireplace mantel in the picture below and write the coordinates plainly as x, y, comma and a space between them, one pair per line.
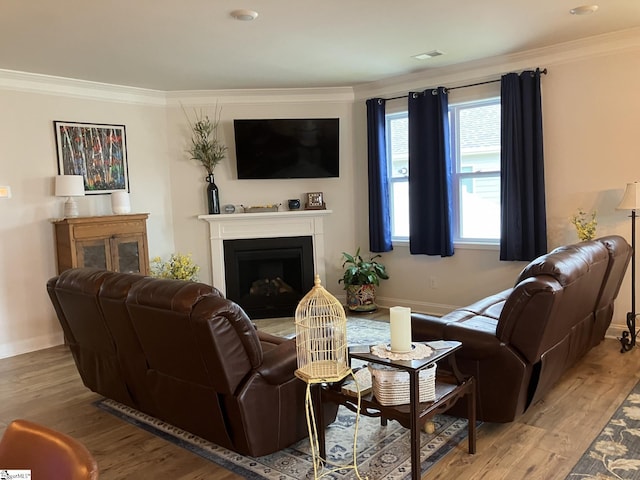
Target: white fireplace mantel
236, 226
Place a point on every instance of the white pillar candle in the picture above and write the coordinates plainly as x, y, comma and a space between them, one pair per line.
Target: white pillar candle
400, 329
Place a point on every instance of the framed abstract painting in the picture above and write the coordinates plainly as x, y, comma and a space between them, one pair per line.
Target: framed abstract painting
98, 152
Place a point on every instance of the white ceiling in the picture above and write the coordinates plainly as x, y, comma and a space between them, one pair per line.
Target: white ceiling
197, 45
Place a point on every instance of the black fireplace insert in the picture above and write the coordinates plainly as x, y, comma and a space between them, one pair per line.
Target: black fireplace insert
267, 277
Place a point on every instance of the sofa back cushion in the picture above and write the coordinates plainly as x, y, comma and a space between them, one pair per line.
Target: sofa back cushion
554, 298
188, 331
112, 299
74, 294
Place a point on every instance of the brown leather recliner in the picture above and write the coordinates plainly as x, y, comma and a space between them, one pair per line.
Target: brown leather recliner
185, 355
519, 342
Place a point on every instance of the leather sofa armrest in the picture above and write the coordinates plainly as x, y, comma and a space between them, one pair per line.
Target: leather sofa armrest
268, 338
478, 338
279, 364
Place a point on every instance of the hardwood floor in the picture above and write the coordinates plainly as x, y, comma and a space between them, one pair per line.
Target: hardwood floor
544, 444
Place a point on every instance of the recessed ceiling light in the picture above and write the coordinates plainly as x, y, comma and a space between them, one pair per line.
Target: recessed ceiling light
244, 14
425, 55
583, 10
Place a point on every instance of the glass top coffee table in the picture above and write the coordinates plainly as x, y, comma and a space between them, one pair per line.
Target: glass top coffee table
450, 386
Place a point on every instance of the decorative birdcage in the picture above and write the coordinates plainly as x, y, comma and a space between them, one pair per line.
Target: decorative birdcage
321, 336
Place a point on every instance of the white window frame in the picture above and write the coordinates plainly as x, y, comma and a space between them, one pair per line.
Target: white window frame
476, 243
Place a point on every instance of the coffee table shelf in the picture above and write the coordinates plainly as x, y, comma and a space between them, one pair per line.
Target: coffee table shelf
450, 386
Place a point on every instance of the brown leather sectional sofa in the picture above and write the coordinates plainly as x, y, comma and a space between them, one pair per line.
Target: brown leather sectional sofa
519, 342
183, 353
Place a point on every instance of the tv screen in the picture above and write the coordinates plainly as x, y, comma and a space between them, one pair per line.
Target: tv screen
287, 148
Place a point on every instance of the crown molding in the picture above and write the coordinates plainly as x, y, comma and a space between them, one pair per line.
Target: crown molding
264, 95
493, 67
69, 87
451, 76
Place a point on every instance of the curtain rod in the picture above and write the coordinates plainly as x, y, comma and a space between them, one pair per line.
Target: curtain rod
543, 72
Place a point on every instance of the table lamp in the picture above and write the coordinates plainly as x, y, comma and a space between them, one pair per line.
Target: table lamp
70, 186
631, 201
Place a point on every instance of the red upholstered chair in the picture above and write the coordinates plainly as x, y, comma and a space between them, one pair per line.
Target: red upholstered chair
47, 453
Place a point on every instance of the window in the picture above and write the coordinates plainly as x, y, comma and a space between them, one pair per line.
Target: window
475, 152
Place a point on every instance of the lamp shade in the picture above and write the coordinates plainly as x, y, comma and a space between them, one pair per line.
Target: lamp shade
69, 186
631, 198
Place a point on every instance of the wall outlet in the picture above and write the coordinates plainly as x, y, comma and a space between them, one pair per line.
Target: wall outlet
433, 282
5, 191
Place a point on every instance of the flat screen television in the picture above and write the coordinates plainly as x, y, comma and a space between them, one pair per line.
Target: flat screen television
287, 148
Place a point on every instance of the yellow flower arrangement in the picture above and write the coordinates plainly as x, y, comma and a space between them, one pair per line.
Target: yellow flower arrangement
179, 266
585, 226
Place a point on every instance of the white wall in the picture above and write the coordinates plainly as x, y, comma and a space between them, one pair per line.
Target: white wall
591, 114
28, 164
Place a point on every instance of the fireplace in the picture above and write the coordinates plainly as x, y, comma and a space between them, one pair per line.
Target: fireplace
267, 277
268, 225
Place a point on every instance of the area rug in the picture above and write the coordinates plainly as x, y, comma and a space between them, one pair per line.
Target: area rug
615, 453
360, 331
382, 452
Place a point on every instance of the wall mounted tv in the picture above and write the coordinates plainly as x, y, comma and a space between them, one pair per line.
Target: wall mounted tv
287, 148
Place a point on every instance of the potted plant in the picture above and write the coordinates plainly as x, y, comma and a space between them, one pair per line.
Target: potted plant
179, 267
360, 278
585, 225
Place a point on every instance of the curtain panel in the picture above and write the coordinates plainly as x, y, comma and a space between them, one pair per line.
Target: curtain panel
379, 208
523, 219
430, 207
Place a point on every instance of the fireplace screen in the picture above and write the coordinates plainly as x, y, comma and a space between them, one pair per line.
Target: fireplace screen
267, 277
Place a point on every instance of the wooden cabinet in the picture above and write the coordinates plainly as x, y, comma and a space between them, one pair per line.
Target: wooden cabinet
112, 242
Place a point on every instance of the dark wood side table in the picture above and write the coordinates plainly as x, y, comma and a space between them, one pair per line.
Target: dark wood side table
450, 387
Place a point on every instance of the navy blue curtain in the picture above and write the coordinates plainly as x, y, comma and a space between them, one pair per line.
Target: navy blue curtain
379, 208
430, 208
524, 219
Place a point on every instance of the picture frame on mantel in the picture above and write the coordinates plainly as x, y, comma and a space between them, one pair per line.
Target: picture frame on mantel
96, 151
315, 201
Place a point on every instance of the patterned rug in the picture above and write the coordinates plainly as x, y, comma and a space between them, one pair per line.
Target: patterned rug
382, 452
615, 453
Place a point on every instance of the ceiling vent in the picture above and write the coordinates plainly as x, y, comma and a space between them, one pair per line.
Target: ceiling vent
431, 54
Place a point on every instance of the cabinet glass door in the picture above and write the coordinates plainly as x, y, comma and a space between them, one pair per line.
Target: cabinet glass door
127, 252
94, 254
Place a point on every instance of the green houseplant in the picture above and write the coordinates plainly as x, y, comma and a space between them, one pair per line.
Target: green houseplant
360, 279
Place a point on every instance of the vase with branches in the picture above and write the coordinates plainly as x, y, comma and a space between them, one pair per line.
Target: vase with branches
207, 149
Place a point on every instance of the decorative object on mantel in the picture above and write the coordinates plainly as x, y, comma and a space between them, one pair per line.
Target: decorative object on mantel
179, 267
293, 204
360, 280
585, 224
120, 202
273, 207
229, 208
209, 151
315, 201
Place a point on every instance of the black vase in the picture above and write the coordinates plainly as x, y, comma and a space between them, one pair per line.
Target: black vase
213, 198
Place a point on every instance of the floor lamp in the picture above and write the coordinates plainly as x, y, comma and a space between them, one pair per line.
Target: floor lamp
631, 201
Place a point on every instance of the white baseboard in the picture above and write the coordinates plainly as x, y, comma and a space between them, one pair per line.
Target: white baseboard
31, 345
